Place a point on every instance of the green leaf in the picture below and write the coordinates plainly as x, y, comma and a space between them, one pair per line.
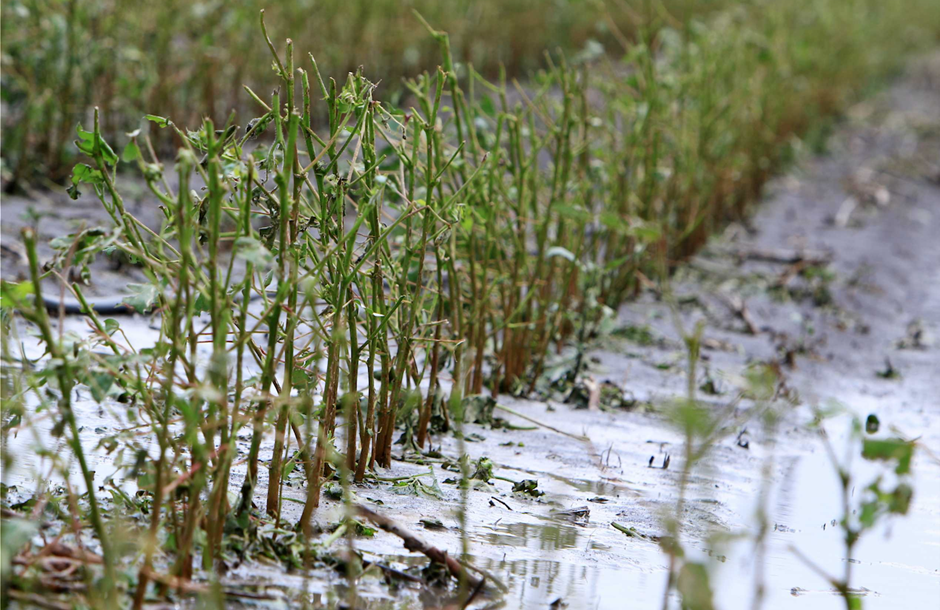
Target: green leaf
614, 222
86, 143
131, 152
416, 487
159, 120
142, 297
868, 513
14, 533
900, 499
487, 106
575, 213
693, 584
86, 174
645, 232
888, 450
99, 383
203, 303
11, 293
253, 251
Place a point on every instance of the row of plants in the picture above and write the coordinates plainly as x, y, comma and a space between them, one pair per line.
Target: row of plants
330, 285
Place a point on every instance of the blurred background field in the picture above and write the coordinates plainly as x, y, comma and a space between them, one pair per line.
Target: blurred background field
187, 60
190, 59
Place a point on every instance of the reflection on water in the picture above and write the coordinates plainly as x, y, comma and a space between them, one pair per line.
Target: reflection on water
597, 487
536, 583
541, 537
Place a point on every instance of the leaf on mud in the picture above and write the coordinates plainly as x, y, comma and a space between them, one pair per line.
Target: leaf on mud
528, 487
632, 532
484, 470
432, 523
478, 409
889, 372
364, 530
641, 335
333, 491
418, 488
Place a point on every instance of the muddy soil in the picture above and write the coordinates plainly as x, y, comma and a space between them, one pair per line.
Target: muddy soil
858, 327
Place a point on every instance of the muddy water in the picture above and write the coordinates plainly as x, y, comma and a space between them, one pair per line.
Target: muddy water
883, 277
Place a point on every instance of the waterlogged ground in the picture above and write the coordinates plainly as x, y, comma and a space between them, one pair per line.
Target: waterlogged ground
858, 329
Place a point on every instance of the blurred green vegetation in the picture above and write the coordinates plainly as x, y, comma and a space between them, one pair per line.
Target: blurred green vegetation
190, 59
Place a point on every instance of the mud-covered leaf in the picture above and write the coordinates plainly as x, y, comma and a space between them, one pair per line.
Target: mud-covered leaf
478, 409
483, 470
420, 488
432, 523
529, 487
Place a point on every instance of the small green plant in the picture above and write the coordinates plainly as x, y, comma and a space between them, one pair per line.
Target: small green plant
890, 493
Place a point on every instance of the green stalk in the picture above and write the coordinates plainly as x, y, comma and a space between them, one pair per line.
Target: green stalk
66, 379
287, 272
